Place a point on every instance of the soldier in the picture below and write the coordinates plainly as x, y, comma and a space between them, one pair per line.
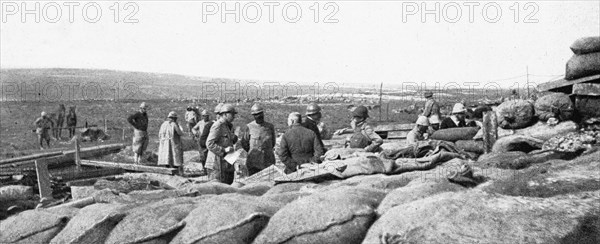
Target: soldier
220, 142
259, 140
43, 125
200, 131
457, 119
432, 111
299, 145
170, 151
313, 117
191, 117
139, 121
419, 133
364, 136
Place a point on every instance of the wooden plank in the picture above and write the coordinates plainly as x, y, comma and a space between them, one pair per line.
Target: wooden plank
131, 167
551, 85
588, 89
394, 127
397, 134
69, 156
43, 178
29, 157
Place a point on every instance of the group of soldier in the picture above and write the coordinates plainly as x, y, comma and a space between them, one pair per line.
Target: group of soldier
301, 145
430, 120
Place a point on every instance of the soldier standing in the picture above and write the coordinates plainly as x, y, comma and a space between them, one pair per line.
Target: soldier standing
220, 142
432, 111
43, 125
299, 145
259, 140
170, 152
139, 121
313, 117
198, 131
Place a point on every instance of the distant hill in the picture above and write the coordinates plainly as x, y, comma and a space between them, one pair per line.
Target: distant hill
96, 84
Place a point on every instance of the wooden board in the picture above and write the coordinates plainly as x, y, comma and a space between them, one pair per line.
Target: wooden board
394, 127
43, 178
557, 84
397, 134
588, 89
130, 167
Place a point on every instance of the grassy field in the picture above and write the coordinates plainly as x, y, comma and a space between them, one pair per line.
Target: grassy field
101, 95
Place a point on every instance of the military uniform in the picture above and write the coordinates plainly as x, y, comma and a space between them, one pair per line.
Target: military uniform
312, 125
43, 126
432, 112
139, 121
298, 146
170, 151
221, 135
365, 137
259, 141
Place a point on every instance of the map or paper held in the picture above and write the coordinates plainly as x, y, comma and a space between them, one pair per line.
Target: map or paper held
232, 157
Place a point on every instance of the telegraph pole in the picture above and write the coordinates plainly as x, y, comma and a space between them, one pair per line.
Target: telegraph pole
527, 72
380, 94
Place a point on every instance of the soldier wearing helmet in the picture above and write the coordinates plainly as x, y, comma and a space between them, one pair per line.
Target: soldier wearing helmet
418, 133
200, 132
219, 142
191, 117
457, 119
364, 136
43, 125
139, 121
431, 110
258, 139
313, 117
170, 151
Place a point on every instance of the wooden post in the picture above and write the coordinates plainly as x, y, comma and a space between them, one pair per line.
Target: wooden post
43, 178
490, 130
380, 94
77, 153
387, 111
123, 135
105, 126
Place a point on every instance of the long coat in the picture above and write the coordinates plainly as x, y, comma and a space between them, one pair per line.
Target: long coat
259, 141
221, 136
170, 151
298, 146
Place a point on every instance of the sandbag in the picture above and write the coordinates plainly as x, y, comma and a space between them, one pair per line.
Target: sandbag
35, 226
378, 181
517, 143
557, 105
572, 142
470, 146
543, 131
341, 215
15, 192
257, 188
289, 187
498, 159
455, 134
209, 188
584, 45
515, 114
151, 222
477, 217
286, 197
416, 190
583, 65
230, 218
92, 224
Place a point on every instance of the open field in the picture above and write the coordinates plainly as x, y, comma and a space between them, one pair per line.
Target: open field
101, 95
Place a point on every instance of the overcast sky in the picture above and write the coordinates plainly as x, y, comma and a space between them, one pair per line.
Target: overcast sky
370, 43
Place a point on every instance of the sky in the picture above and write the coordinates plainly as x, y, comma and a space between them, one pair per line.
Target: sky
351, 42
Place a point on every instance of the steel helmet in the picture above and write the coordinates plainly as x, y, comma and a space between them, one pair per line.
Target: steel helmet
218, 108
227, 108
256, 109
144, 105
422, 120
361, 111
172, 114
458, 108
428, 94
204, 112
312, 108
44, 113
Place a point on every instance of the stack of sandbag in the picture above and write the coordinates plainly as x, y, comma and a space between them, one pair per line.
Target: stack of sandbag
554, 105
35, 226
341, 215
586, 60
455, 134
515, 114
